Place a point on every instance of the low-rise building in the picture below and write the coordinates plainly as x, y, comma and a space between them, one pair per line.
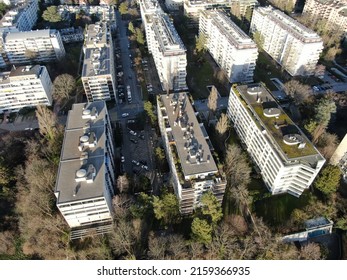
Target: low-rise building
294, 46
98, 71
71, 35
192, 166
232, 49
287, 161
86, 176
25, 86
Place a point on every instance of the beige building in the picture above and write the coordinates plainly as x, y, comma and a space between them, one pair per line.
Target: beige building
333, 11
187, 146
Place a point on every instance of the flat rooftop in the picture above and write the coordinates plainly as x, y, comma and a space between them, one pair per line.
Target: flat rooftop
21, 36
96, 35
317, 222
18, 72
290, 141
193, 151
78, 132
169, 40
230, 30
96, 62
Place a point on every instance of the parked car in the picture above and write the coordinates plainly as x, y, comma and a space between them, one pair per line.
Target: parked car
124, 115
133, 140
132, 132
122, 159
135, 162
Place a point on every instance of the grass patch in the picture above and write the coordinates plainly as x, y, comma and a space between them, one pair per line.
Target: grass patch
276, 210
199, 76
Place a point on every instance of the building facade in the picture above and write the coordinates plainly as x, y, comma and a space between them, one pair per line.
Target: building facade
287, 161
230, 47
192, 8
98, 72
34, 46
192, 166
21, 18
25, 86
86, 176
334, 12
295, 47
166, 47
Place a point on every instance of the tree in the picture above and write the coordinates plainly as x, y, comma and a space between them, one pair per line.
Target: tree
327, 144
200, 44
123, 8
212, 101
139, 36
47, 122
236, 167
311, 251
211, 207
51, 14
332, 52
166, 209
201, 231
63, 86
143, 206
131, 27
159, 153
123, 183
5, 173
148, 107
323, 111
223, 124
299, 92
328, 180
258, 38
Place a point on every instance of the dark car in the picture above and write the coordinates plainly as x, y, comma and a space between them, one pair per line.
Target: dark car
133, 140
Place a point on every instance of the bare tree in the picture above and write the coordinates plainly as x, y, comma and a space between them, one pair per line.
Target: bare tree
123, 183
47, 122
327, 144
299, 92
223, 124
236, 167
156, 247
212, 101
63, 86
311, 251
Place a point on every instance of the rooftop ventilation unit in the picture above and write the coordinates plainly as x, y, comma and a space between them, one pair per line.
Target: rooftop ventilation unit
90, 114
85, 175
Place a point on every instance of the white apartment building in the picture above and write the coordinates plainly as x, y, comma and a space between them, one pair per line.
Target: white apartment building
192, 8
231, 48
287, 160
174, 5
98, 72
165, 45
25, 86
20, 18
192, 166
86, 176
333, 11
295, 47
39, 46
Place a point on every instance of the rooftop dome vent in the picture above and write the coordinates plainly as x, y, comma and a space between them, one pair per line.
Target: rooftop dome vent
84, 138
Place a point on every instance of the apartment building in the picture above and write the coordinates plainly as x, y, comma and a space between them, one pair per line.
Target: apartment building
39, 46
333, 11
288, 162
25, 86
86, 176
192, 166
71, 34
174, 5
98, 72
165, 45
192, 8
21, 18
231, 48
295, 47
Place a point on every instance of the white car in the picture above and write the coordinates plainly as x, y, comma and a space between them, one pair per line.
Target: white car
122, 159
132, 132
124, 115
